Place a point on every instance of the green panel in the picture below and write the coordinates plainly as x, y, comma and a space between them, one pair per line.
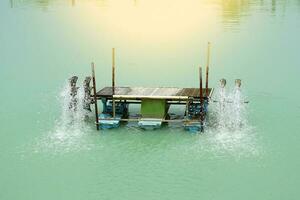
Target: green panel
153, 108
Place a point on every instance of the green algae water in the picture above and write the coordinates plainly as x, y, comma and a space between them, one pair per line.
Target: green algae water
158, 43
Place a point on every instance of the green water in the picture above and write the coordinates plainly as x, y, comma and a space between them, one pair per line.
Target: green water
158, 43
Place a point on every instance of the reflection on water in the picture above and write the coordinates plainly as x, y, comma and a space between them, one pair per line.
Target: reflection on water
232, 12
44, 4
47, 3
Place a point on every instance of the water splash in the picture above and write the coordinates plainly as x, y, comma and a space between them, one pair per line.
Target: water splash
238, 109
72, 117
229, 128
229, 110
72, 125
221, 110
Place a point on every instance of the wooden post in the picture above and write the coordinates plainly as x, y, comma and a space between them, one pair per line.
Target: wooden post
207, 69
95, 95
201, 100
113, 82
200, 80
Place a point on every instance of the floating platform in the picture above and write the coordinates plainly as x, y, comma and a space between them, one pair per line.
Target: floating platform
155, 103
138, 93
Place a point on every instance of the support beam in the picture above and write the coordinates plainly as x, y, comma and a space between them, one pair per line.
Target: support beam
145, 119
187, 108
95, 95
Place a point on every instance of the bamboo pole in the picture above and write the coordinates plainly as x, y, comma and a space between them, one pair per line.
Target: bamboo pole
200, 80
95, 95
113, 82
113, 70
207, 69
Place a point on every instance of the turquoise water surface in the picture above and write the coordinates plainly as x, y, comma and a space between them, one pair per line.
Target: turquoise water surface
158, 43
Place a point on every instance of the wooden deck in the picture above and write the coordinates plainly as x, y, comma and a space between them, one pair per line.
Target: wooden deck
171, 93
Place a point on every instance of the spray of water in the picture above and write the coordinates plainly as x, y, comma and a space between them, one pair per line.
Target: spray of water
230, 110
221, 108
72, 117
230, 130
72, 124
